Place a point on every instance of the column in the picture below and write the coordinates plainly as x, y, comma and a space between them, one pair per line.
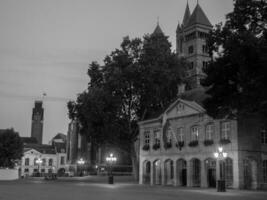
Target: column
162, 169
189, 173
203, 175
175, 177
152, 173
141, 172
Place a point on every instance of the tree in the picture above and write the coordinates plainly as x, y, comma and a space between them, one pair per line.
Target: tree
135, 81
237, 75
10, 148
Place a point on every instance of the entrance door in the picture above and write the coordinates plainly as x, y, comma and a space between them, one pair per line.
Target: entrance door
247, 174
212, 177
184, 178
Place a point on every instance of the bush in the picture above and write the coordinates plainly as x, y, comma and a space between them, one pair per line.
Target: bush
146, 147
208, 142
193, 143
156, 146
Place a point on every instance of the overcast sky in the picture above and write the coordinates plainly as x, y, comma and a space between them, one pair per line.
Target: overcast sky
46, 46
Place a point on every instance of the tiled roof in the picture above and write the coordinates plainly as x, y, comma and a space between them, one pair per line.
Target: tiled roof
158, 30
198, 17
42, 148
186, 15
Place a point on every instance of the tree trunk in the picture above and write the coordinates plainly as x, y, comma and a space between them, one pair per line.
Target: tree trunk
135, 163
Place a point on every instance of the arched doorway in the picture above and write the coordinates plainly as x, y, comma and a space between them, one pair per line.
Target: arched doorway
250, 174
146, 172
182, 172
195, 163
229, 172
168, 167
210, 165
157, 172
61, 172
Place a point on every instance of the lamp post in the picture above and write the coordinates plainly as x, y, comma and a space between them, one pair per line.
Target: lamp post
81, 163
110, 161
220, 155
39, 162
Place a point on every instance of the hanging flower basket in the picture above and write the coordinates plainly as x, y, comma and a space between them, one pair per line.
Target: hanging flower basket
156, 146
208, 142
193, 143
225, 141
146, 147
167, 145
180, 145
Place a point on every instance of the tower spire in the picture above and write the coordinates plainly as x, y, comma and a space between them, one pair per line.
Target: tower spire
187, 14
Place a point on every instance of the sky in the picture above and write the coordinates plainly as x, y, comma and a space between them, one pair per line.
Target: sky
47, 45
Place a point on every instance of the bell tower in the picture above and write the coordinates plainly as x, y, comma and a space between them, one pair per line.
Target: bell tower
37, 121
191, 38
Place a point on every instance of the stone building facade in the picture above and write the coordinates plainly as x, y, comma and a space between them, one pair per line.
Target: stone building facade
177, 148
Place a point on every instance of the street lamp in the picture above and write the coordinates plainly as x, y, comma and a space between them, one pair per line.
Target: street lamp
110, 161
81, 163
39, 162
220, 155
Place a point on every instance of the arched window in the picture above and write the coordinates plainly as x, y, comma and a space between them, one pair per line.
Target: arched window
50, 162
264, 168
229, 172
194, 133
209, 132
27, 161
263, 136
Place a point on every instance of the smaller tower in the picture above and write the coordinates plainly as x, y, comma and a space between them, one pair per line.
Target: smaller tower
37, 121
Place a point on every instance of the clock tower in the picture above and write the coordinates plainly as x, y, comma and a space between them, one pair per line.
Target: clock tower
37, 121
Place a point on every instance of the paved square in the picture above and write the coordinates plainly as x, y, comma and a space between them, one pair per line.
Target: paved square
91, 188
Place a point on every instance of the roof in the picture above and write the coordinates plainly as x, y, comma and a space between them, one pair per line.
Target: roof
42, 148
60, 136
198, 17
186, 15
28, 140
158, 30
59, 147
197, 95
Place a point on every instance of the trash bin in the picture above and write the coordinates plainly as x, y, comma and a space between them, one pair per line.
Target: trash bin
221, 186
110, 179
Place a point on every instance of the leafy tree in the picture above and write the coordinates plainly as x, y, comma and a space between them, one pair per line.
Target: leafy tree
237, 75
10, 148
136, 80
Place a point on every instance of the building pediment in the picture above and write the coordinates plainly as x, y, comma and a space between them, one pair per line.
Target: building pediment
32, 152
181, 108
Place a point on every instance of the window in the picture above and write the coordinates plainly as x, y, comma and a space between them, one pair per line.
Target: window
180, 134
209, 132
43, 162
50, 162
27, 161
263, 136
43, 170
62, 160
35, 170
190, 49
225, 130
34, 161
156, 137
264, 168
169, 135
194, 133
204, 49
26, 170
191, 66
147, 137
204, 64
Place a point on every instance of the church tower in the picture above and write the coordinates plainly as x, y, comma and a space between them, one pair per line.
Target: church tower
191, 44
37, 121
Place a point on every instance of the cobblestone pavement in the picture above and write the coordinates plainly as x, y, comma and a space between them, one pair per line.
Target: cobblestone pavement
92, 188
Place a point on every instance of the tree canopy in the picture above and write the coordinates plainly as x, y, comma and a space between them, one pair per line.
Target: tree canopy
136, 81
10, 148
237, 75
